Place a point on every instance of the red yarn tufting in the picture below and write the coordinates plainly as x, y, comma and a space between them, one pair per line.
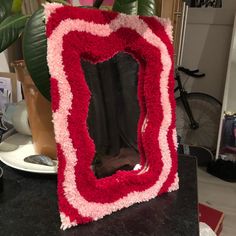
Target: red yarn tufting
96, 36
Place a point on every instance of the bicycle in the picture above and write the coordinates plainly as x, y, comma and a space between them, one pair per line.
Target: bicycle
197, 114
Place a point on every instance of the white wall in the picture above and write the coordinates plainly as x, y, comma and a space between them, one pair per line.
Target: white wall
3, 62
207, 44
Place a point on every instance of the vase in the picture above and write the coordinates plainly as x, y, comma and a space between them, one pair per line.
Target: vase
39, 113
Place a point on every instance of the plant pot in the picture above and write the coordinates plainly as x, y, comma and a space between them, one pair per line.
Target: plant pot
39, 112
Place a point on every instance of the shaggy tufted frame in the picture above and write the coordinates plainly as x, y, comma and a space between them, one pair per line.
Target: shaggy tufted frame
94, 35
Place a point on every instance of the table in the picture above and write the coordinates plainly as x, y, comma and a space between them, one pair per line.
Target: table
28, 207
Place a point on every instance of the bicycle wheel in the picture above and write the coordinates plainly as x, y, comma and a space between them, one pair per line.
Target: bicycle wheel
206, 111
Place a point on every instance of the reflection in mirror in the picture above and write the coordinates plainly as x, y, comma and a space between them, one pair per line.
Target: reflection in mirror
113, 113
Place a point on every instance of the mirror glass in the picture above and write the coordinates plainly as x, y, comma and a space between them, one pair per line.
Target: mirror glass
227, 134
113, 113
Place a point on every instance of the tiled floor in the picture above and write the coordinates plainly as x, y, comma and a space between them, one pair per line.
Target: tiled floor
220, 195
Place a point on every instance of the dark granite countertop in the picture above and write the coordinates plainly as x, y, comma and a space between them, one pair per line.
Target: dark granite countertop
28, 207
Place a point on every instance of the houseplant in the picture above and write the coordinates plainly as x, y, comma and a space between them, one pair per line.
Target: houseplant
13, 24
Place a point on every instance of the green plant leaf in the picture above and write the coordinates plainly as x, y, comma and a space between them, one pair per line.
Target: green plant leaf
10, 29
5, 9
127, 7
35, 52
135, 7
16, 6
146, 7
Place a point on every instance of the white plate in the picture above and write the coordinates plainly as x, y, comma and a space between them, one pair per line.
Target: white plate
15, 159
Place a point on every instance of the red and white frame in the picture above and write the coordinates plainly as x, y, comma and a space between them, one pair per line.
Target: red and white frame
75, 33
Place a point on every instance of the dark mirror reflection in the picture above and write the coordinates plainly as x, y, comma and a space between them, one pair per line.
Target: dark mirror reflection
113, 113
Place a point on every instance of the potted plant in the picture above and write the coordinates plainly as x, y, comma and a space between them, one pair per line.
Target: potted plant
13, 24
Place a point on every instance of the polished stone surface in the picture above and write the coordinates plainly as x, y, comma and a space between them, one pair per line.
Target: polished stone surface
28, 207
